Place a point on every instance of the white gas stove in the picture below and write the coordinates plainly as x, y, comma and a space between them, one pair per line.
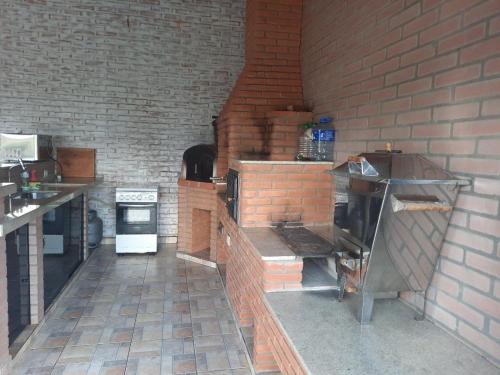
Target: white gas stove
136, 220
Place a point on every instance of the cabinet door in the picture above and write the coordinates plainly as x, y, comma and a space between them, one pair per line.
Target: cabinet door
60, 265
18, 292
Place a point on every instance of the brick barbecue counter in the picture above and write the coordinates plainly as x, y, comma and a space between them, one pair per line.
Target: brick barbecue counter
309, 332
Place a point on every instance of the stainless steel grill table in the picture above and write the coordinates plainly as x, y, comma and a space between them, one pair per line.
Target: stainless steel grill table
389, 237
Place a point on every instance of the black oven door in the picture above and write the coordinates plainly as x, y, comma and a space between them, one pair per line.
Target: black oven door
136, 218
232, 194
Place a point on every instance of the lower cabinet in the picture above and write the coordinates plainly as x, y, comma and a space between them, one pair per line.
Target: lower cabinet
18, 282
63, 246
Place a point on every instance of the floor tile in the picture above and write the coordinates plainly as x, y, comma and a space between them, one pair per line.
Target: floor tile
148, 331
37, 360
71, 369
233, 342
204, 344
208, 326
116, 335
184, 364
181, 331
151, 306
212, 360
144, 366
47, 340
149, 318
140, 349
98, 367
77, 354
237, 358
138, 314
86, 336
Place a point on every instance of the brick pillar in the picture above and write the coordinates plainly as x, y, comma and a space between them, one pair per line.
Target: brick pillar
263, 359
36, 270
85, 240
184, 229
213, 232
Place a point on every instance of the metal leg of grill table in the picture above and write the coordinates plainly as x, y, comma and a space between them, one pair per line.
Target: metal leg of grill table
366, 308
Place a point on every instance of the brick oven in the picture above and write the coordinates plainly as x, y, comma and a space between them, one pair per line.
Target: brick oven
197, 222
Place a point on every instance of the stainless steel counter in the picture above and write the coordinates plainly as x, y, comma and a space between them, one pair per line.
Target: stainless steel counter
21, 211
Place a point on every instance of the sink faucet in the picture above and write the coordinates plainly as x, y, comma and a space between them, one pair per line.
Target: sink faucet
21, 163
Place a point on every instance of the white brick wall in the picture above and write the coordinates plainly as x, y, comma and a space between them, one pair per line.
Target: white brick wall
137, 80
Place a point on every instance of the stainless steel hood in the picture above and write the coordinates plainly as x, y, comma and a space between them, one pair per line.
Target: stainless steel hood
392, 212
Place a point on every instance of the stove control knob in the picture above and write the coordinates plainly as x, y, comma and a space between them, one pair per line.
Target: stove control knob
151, 197
139, 197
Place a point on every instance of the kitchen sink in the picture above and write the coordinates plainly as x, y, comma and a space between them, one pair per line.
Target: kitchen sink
36, 195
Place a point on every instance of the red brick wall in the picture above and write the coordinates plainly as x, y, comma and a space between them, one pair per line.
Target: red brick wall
192, 197
424, 75
273, 192
284, 132
270, 79
248, 277
200, 234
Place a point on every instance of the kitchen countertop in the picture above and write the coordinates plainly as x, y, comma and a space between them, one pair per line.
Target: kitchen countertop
21, 211
285, 162
269, 244
329, 340
7, 188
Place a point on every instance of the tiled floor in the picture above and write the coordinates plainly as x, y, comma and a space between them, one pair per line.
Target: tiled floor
139, 315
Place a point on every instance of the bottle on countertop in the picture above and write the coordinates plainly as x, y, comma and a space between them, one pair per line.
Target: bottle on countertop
25, 177
323, 139
306, 145
34, 184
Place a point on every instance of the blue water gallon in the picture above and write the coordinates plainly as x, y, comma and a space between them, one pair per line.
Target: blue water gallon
324, 140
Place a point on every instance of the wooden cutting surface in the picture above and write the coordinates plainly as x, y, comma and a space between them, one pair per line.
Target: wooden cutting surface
76, 162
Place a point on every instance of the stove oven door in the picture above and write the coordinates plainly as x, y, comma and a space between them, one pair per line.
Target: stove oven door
136, 218
232, 194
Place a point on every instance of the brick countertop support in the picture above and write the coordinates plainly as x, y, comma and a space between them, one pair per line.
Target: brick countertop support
257, 262
249, 277
194, 199
36, 270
